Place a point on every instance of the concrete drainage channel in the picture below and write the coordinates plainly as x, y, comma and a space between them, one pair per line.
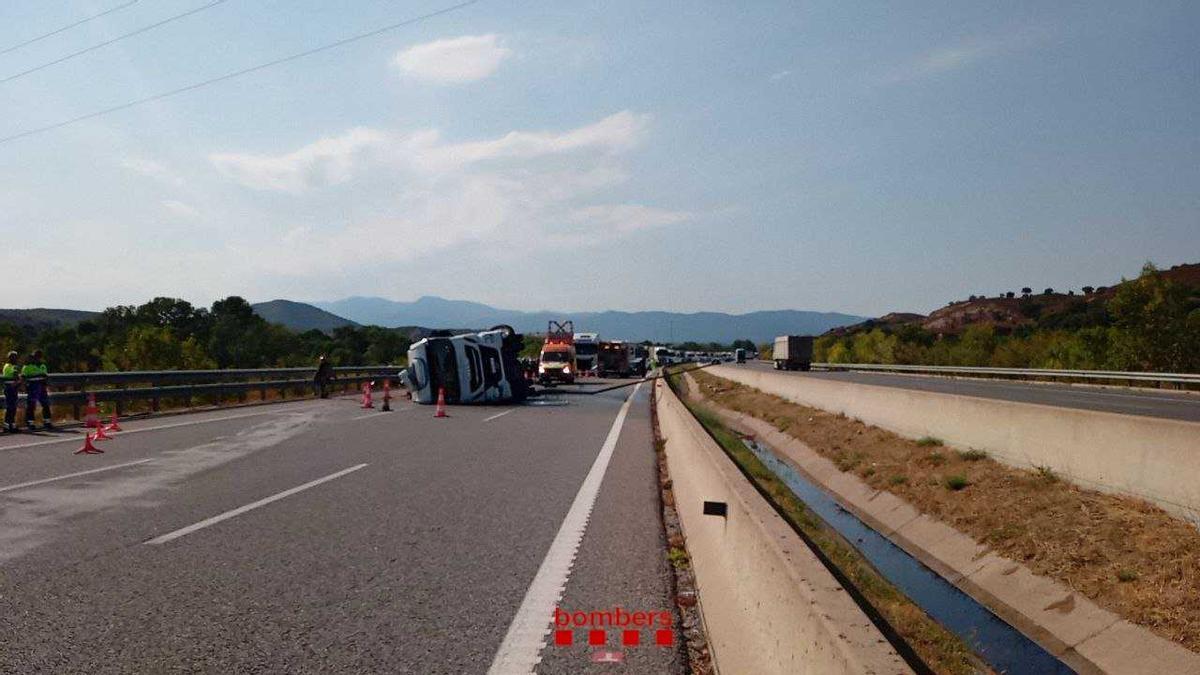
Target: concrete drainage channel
996, 642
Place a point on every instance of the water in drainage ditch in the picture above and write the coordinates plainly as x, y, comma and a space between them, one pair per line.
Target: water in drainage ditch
1000, 645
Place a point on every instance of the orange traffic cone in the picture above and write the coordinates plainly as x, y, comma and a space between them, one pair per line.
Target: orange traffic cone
88, 448
91, 417
367, 400
100, 435
387, 395
113, 426
441, 403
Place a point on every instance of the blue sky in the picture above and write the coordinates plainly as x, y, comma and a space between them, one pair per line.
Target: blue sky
857, 157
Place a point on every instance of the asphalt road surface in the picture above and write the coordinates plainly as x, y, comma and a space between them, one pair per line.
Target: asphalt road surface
318, 537
1150, 403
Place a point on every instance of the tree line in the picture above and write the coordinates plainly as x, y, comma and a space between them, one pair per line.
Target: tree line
172, 334
1150, 324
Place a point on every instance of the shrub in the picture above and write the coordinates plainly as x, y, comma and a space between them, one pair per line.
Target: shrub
971, 455
1126, 575
956, 483
929, 441
898, 480
1046, 474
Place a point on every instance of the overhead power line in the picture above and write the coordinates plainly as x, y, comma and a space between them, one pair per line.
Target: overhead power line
238, 73
98, 45
67, 27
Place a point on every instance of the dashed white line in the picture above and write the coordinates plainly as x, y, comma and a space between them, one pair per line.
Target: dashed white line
76, 439
184, 531
18, 486
376, 414
489, 419
520, 651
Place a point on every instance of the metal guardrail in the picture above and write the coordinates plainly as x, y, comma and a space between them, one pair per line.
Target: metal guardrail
186, 385
1025, 373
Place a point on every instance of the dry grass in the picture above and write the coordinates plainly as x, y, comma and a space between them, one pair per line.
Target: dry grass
941, 649
1124, 554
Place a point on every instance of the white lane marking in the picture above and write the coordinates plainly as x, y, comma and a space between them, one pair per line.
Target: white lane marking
521, 649
32, 483
376, 414
126, 432
489, 419
184, 531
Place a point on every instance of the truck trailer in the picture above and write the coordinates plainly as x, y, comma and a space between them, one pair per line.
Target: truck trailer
614, 358
793, 352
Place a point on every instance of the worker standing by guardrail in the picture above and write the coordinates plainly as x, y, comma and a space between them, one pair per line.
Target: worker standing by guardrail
9, 374
35, 373
321, 379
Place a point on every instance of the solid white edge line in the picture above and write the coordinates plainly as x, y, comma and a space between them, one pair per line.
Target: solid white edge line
489, 419
521, 649
126, 432
184, 531
18, 486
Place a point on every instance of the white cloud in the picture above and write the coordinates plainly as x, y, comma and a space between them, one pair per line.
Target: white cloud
151, 168
178, 208
328, 161
965, 53
512, 194
463, 59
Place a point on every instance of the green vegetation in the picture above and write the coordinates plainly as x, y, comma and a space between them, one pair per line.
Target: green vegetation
972, 455
1046, 475
1149, 324
929, 441
1126, 575
956, 482
171, 334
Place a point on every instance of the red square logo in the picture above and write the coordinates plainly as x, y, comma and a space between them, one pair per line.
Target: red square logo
597, 638
664, 637
563, 638
631, 638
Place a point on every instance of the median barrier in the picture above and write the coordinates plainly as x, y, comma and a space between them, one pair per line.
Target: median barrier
1146, 457
769, 604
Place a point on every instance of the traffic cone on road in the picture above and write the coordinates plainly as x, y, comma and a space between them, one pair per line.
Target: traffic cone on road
367, 400
88, 448
91, 417
113, 426
100, 435
441, 403
387, 396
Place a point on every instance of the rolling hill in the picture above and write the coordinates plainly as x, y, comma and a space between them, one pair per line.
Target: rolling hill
657, 326
299, 316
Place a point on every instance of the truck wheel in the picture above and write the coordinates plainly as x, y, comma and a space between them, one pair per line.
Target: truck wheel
806, 367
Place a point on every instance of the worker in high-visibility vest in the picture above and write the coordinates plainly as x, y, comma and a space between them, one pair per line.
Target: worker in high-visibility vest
35, 373
9, 375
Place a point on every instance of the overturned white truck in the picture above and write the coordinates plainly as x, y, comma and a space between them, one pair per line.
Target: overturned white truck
471, 368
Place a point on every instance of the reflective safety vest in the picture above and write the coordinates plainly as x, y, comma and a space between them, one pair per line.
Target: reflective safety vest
9, 373
35, 372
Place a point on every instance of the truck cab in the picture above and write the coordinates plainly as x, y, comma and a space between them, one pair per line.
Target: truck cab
471, 368
587, 351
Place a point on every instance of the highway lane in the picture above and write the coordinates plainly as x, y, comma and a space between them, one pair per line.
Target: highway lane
1169, 405
416, 562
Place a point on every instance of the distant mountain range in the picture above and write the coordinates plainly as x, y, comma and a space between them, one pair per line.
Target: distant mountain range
417, 317
299, 316
438, 312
